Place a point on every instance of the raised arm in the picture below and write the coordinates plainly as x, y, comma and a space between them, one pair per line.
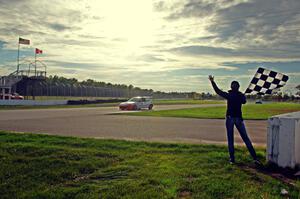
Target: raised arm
216, 88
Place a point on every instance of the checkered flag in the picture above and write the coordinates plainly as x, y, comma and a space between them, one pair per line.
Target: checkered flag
265, 81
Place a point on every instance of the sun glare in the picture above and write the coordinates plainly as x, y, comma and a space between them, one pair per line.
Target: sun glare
132, 22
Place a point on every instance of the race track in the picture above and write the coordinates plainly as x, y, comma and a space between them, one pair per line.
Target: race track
98, 122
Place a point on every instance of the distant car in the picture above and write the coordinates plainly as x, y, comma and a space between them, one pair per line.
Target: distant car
137, 103
14, 96
258, 102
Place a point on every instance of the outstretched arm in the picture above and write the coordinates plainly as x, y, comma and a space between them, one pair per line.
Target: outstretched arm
216, 88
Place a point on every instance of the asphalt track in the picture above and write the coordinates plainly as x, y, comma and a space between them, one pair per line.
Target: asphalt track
98, 122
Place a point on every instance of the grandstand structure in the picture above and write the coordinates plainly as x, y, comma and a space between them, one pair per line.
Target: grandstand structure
28, 74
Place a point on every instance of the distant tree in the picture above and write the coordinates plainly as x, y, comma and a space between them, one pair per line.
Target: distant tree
298, 88
130, 87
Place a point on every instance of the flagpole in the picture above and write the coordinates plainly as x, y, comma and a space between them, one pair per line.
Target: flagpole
18, 55
35, 63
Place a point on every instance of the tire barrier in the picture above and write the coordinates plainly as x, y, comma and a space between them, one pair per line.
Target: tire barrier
99, 101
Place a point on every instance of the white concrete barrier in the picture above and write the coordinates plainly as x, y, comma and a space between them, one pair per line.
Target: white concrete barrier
32, 102
283, 144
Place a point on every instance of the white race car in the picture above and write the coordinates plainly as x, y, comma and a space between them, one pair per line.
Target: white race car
137, 103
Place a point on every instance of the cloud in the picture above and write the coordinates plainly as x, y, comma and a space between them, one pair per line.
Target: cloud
167, 45
30, 16
256, 22
65, 64
2, 43
150, 58
203, 50
270, 27
193, 8
197, 50
59, 27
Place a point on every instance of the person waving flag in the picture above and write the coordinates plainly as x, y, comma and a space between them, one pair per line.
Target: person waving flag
235, 100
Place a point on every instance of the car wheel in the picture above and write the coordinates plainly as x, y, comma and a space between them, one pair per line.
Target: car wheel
150, 107
134, 107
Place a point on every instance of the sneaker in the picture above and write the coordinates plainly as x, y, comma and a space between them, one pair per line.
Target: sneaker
231, 162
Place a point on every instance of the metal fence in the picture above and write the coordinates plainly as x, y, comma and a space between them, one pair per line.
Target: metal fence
77, 90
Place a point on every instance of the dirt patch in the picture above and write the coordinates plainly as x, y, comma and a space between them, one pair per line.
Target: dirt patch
284, 175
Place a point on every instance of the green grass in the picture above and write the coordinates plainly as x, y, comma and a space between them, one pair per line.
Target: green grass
186, 101
250, 111
40, 166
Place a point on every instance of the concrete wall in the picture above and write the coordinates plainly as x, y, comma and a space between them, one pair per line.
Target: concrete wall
283, 144
32, 102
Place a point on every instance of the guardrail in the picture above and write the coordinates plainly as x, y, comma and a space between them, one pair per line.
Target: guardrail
32, 102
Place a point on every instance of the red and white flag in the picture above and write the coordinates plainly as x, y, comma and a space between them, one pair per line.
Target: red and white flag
38, 51
24, 41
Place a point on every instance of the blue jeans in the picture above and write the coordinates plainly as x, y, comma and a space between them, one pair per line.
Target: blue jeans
239, 123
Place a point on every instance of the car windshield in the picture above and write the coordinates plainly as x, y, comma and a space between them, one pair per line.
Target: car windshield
135, 99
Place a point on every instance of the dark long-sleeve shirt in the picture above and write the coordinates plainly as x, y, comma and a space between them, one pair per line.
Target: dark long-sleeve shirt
235, 99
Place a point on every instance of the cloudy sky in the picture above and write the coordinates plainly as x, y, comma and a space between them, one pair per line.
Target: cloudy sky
169, 45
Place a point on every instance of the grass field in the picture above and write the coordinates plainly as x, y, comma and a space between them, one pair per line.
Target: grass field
40, 166
250, 111
187, 101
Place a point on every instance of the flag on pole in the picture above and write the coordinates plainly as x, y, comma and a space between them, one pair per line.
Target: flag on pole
265, 81
24, 41
38, 51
